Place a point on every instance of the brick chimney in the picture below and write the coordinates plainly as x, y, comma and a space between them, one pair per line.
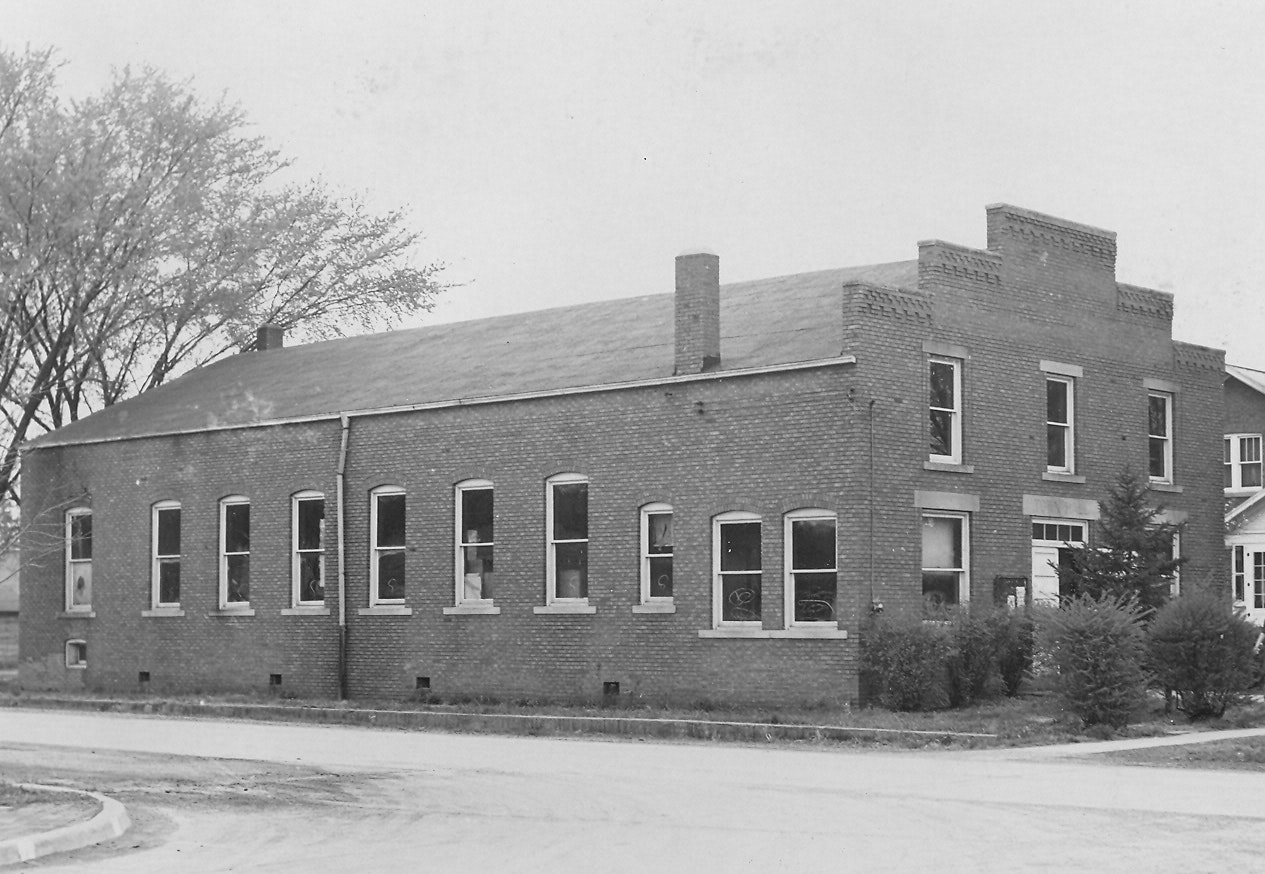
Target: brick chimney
697, 312
270, 337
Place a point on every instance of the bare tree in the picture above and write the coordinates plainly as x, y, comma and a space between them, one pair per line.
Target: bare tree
142, 232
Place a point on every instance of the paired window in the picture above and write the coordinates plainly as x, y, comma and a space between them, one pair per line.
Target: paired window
79, 560
1060, 405
475, 541
945, 559
307, 537
235, 552
811, 567
386, 573
165, 572
736, 570
567, 549
945, 402
1160, 434
656, 553
1243, 461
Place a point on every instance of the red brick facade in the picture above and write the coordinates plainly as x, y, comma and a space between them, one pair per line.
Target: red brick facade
841, 435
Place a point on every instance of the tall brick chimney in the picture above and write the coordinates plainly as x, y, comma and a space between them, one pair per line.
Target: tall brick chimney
697, 312
270, 337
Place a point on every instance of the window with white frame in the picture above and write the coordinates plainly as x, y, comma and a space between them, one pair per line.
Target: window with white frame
945, 559
165, 572
307, 543
737, 571
567, 528
944, 377
656, 553
812, 575
1258, 580
386, 573
1175, 552
77, 654
1242, 461
476, 539
235, 552
1060, 408
1160, 436
1239, 572
79, 559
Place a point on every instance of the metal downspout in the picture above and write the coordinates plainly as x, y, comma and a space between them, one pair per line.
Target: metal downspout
345, 421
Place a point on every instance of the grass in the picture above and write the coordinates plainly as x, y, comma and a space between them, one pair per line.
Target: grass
1245, 754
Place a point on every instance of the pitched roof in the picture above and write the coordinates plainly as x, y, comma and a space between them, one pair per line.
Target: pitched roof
763, 322
1251, 378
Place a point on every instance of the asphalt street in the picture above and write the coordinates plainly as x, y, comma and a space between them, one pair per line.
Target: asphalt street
247, 796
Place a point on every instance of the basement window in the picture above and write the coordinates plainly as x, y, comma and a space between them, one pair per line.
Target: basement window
77, 654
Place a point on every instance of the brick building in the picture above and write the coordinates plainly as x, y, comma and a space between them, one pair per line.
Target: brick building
1244, 521
695, 496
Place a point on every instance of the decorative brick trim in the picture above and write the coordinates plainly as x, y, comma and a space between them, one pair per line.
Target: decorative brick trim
938, 259
1198, 357
1049, 232
886, 302
1145, 302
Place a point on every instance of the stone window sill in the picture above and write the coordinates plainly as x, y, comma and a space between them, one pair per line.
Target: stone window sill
385, 610
473, 610
655, 607
799, 633
564, 609
1166, 487
159, 612
306, 610
77, 614
946, 467
1055, 476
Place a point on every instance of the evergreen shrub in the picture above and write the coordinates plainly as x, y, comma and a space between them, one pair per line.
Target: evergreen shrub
1097, 644
1202, 650
904, 660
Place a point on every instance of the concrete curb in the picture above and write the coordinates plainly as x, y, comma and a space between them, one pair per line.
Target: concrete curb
110, 822
498, 723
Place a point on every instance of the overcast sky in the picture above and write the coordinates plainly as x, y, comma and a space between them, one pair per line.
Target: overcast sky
563, 152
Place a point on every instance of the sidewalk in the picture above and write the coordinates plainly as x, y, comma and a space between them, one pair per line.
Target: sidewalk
55, 826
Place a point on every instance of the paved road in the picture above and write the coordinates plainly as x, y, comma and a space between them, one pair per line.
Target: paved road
242, 796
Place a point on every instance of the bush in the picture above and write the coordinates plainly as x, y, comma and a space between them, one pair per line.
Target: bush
973, 659
1202, 650
1098, 646
904, 662
1013, 633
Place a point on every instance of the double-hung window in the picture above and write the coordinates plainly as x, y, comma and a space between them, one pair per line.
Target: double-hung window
386, 571
567, 529
1258, 580
1060, 411
945, 559
79, 560
1242, 461
811, 568
475, 542
656, 554
944, 379
307, 539
1160, 436
165, 573
1239, 571
737, 571
235, 552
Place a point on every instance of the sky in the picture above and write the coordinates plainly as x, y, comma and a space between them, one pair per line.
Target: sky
554, 153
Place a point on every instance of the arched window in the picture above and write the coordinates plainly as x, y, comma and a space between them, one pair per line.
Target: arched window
235, 552
165, 545
475, 539
812, 575
307, 548
567, 539
386, 525
737, 573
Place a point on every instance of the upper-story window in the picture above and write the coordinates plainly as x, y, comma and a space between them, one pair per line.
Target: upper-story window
476, 539
386, 572
1243, 461
235, 552
945, 401
307, 541
79, 559
656, 553
165, 573
811, 572
1060, 407
567, 530
1160, 436
737, 592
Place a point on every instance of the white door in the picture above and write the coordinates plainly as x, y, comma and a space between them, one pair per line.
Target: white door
1045, 579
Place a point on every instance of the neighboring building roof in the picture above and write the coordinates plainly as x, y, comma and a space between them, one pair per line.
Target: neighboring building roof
1251, 378
763, 322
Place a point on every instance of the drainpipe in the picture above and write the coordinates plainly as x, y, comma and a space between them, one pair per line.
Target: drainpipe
875, 606
345, 421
